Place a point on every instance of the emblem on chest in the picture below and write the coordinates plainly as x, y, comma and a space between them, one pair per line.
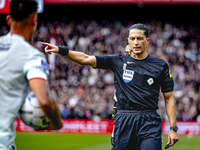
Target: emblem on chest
150, 81
128, 75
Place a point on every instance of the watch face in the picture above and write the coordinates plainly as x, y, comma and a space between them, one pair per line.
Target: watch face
175, 128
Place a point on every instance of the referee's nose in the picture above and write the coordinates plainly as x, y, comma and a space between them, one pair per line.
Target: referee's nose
136, 42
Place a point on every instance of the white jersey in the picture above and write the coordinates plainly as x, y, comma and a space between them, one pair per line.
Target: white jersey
19, 62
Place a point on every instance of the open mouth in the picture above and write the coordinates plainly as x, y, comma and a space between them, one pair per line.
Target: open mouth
136, 48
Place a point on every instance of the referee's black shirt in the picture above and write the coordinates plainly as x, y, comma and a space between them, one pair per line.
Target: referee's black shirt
137, 81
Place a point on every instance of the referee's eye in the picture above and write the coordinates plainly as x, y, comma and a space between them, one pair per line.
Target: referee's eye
140, 38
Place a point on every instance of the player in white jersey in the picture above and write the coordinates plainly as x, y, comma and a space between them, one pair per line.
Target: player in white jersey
22, 67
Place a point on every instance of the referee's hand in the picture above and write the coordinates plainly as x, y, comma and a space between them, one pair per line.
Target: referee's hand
172, 138
50, 48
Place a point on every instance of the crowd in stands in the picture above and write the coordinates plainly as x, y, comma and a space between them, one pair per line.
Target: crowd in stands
83, 92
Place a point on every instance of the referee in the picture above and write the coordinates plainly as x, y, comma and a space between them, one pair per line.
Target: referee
138, 79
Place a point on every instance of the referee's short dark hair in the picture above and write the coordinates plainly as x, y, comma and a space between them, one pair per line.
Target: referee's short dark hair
21, 9
140, 26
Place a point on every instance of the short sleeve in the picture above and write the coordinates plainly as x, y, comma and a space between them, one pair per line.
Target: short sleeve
167, 83
107, 62
36, 67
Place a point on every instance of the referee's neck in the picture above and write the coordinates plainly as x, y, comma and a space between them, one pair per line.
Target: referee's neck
140, 56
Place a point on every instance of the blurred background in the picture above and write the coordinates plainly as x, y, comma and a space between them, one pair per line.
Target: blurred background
99, 27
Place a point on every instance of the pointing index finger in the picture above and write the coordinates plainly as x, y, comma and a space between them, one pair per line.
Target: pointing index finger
43, 43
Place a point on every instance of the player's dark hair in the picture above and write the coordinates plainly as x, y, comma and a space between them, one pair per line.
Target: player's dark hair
140, 26
21, 9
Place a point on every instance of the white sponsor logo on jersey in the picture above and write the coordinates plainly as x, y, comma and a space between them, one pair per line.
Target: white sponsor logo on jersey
128, 75
129, 62
150, 81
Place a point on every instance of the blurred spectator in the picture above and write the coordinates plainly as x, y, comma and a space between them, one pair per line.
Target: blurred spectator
84, 92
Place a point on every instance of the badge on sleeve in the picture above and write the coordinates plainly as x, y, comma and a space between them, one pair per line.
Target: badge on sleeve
128, 75
170, 74
44, 65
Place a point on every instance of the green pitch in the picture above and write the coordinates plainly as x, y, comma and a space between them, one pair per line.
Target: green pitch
55, 141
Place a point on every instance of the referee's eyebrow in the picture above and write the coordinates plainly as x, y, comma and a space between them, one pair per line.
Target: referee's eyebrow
139, 37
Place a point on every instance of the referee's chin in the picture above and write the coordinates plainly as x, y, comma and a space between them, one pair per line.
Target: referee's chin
138, 52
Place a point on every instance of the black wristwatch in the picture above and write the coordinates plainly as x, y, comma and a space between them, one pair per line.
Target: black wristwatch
175, 128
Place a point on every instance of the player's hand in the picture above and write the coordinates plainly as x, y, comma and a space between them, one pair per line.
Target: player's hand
49, 127
172, 138
50, 48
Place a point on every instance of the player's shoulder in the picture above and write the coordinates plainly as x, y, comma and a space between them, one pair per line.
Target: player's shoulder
35, 59
17, 42
5, 41
34, 56
34, 51
2, 37
13, 39
31, 50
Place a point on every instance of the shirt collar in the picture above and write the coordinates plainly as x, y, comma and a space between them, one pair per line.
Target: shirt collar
15, 36
140, 59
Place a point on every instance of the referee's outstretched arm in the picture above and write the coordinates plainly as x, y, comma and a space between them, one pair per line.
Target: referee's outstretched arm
78, 57
171, 113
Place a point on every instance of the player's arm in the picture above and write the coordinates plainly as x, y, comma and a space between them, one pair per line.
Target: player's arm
78, 57
41, 89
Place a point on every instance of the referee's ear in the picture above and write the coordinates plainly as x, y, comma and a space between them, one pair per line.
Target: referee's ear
148, 40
